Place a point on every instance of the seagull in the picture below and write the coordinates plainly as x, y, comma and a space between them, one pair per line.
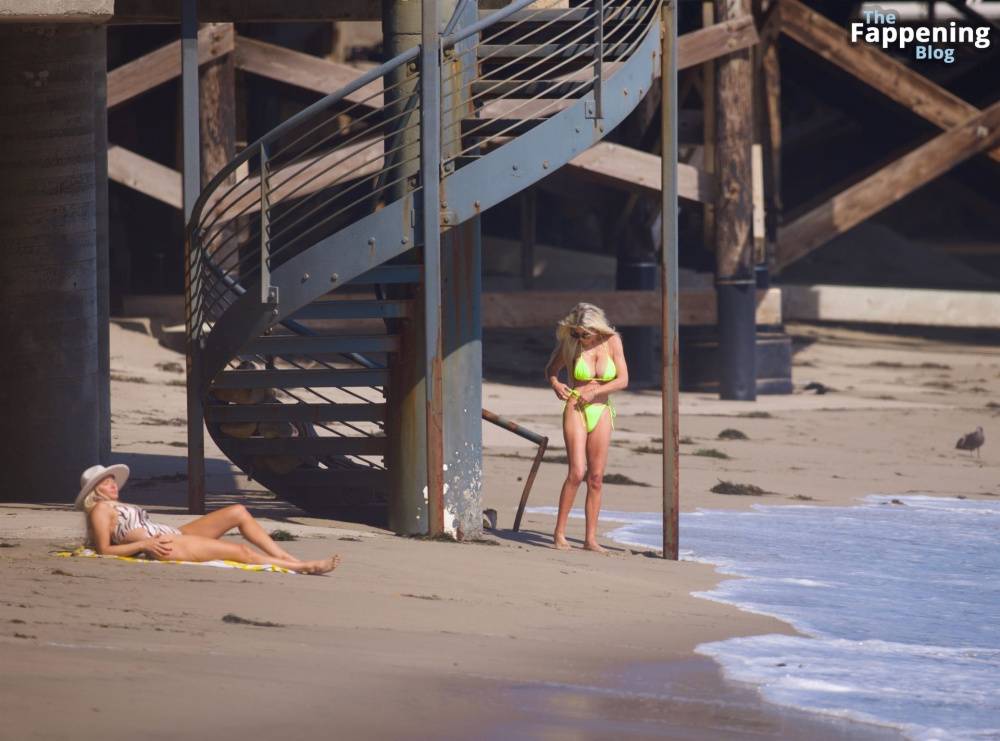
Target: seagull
972, 441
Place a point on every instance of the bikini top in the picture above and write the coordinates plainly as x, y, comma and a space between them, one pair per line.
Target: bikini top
130, 517
582, 373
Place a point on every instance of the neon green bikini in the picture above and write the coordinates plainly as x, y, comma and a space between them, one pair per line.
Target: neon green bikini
593, 411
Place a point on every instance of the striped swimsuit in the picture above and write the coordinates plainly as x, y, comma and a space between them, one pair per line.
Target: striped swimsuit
132, 518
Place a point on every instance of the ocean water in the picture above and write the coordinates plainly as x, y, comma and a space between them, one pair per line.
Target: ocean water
899, 606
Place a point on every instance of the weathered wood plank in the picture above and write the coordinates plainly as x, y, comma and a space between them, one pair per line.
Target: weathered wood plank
624, 308
734, 136
135, 171
292, 181
217, 88
905, 306
890, 77
237, 11
697, 47
887, 186
159, 66
303, 70
624, 167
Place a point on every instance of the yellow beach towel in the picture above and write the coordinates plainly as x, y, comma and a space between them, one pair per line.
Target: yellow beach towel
219, 564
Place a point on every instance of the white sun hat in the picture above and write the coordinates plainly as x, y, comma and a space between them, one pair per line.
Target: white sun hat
93, 475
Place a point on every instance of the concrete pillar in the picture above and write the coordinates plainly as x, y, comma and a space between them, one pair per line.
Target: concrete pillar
50, 408
103, 243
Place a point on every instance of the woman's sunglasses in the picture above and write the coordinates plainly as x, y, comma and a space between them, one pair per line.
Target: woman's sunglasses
576, 335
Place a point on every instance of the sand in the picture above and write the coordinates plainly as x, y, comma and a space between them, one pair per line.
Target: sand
501, 639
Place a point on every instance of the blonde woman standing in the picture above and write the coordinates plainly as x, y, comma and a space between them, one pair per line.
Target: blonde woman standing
591, 352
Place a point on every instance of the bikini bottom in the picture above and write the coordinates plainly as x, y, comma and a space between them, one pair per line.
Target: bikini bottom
593, 412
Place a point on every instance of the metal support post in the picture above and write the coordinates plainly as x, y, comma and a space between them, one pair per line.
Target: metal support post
430, 180
191, 187
668, 282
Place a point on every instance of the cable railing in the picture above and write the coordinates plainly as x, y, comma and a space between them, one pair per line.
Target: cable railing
575, 49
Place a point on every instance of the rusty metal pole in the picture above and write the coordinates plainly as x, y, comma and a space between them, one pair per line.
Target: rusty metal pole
406, 457
668, 281
191, 189
430, 199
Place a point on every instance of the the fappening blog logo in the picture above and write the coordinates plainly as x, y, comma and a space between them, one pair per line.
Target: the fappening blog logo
938, 42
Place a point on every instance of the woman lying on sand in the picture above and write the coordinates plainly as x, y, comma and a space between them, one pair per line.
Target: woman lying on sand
591, 351
118, 529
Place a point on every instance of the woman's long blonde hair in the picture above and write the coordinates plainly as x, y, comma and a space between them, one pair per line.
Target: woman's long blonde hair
89, 502
582, 316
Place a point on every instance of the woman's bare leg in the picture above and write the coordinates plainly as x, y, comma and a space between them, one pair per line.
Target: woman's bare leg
598, 442
200, 548
218, 523
575, 435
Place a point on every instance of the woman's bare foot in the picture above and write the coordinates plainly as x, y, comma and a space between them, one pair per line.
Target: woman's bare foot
323, 566
559, 542
595, 547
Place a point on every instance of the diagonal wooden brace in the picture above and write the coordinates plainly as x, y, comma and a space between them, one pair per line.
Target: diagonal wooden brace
892, 183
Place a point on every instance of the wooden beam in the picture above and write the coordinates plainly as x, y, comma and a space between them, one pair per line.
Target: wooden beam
135, 171
242, 11
303, 70
625, 308
708, 95
890, 77
148, 71
630, 169
887, 186
697, 47
303, 177
217, 88
903, 306
734, 137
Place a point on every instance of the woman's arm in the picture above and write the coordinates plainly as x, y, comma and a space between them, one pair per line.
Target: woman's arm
100, 524
552, 369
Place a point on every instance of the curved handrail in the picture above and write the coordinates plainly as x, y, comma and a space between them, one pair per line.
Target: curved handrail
285, 126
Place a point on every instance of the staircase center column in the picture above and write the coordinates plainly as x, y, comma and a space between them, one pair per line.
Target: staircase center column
406, 419
50, 404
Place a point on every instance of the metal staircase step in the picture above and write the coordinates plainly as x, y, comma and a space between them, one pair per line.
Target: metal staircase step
321, 344
296, 378
360, 412
392, 274
366, 309
308, 446
334, 478
537, 89
506, 52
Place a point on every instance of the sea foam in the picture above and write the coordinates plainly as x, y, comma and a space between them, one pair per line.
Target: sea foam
899, 605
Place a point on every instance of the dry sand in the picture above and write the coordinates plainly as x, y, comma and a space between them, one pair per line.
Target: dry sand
504, 639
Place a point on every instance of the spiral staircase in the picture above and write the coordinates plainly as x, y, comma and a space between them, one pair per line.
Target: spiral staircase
304, 251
